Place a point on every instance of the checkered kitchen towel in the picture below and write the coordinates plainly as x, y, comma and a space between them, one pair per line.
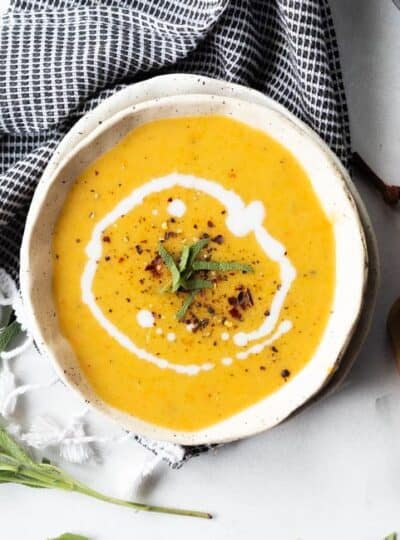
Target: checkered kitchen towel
60, 58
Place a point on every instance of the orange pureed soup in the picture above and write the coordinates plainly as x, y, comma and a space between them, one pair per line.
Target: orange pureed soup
194, 270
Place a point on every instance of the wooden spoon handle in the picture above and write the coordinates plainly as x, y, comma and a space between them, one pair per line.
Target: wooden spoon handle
390, 193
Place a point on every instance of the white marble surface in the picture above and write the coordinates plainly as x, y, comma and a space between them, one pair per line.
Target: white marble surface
331, 473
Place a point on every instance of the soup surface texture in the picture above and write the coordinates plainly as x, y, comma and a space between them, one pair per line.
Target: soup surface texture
179, 333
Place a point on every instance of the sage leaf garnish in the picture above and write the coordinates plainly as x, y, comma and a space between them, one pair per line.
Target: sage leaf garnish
196, 284
184, 258
17, 467
196, 248
181, 273
170, 263
186, 305
220, 266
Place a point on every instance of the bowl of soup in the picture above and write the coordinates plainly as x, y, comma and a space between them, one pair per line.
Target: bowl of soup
195, 268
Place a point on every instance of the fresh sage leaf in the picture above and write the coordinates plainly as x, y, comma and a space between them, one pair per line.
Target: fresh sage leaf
195, 250
9, 447
184, 258
170, 263
5, 318
8, 333
186, 305
196, 284
221, 266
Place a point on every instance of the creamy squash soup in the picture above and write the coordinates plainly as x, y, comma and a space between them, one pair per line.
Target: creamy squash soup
194, 271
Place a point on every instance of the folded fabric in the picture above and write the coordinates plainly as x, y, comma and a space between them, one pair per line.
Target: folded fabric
60, 58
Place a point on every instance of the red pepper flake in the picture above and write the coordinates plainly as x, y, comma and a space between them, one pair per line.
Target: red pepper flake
267, 313
219, 239
245, 299
107, 258
235, 313
274, 349
262, 368
210, 223
250, 297
232, 300
96, 173
139, 249
200, 324
170, 234
78, 240
106, 239
155, 266
128, 299
285, 373
121, 259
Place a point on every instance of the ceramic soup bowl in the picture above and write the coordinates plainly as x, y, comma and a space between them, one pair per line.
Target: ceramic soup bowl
329, 185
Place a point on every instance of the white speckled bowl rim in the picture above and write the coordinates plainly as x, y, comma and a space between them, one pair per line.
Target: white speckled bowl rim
253, 419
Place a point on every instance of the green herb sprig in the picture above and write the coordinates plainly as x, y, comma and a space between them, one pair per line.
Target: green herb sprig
9, 331
17, 467
70, 536
183, 273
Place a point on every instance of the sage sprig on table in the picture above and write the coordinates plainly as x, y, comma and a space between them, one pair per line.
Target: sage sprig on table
18, 467
70, 536
183, 273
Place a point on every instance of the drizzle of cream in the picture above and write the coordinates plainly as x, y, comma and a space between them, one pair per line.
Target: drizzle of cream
208, 366
171, 336
145, 318
283, 328
226, 361
241, 220
240, 339
276, 252
176, 208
